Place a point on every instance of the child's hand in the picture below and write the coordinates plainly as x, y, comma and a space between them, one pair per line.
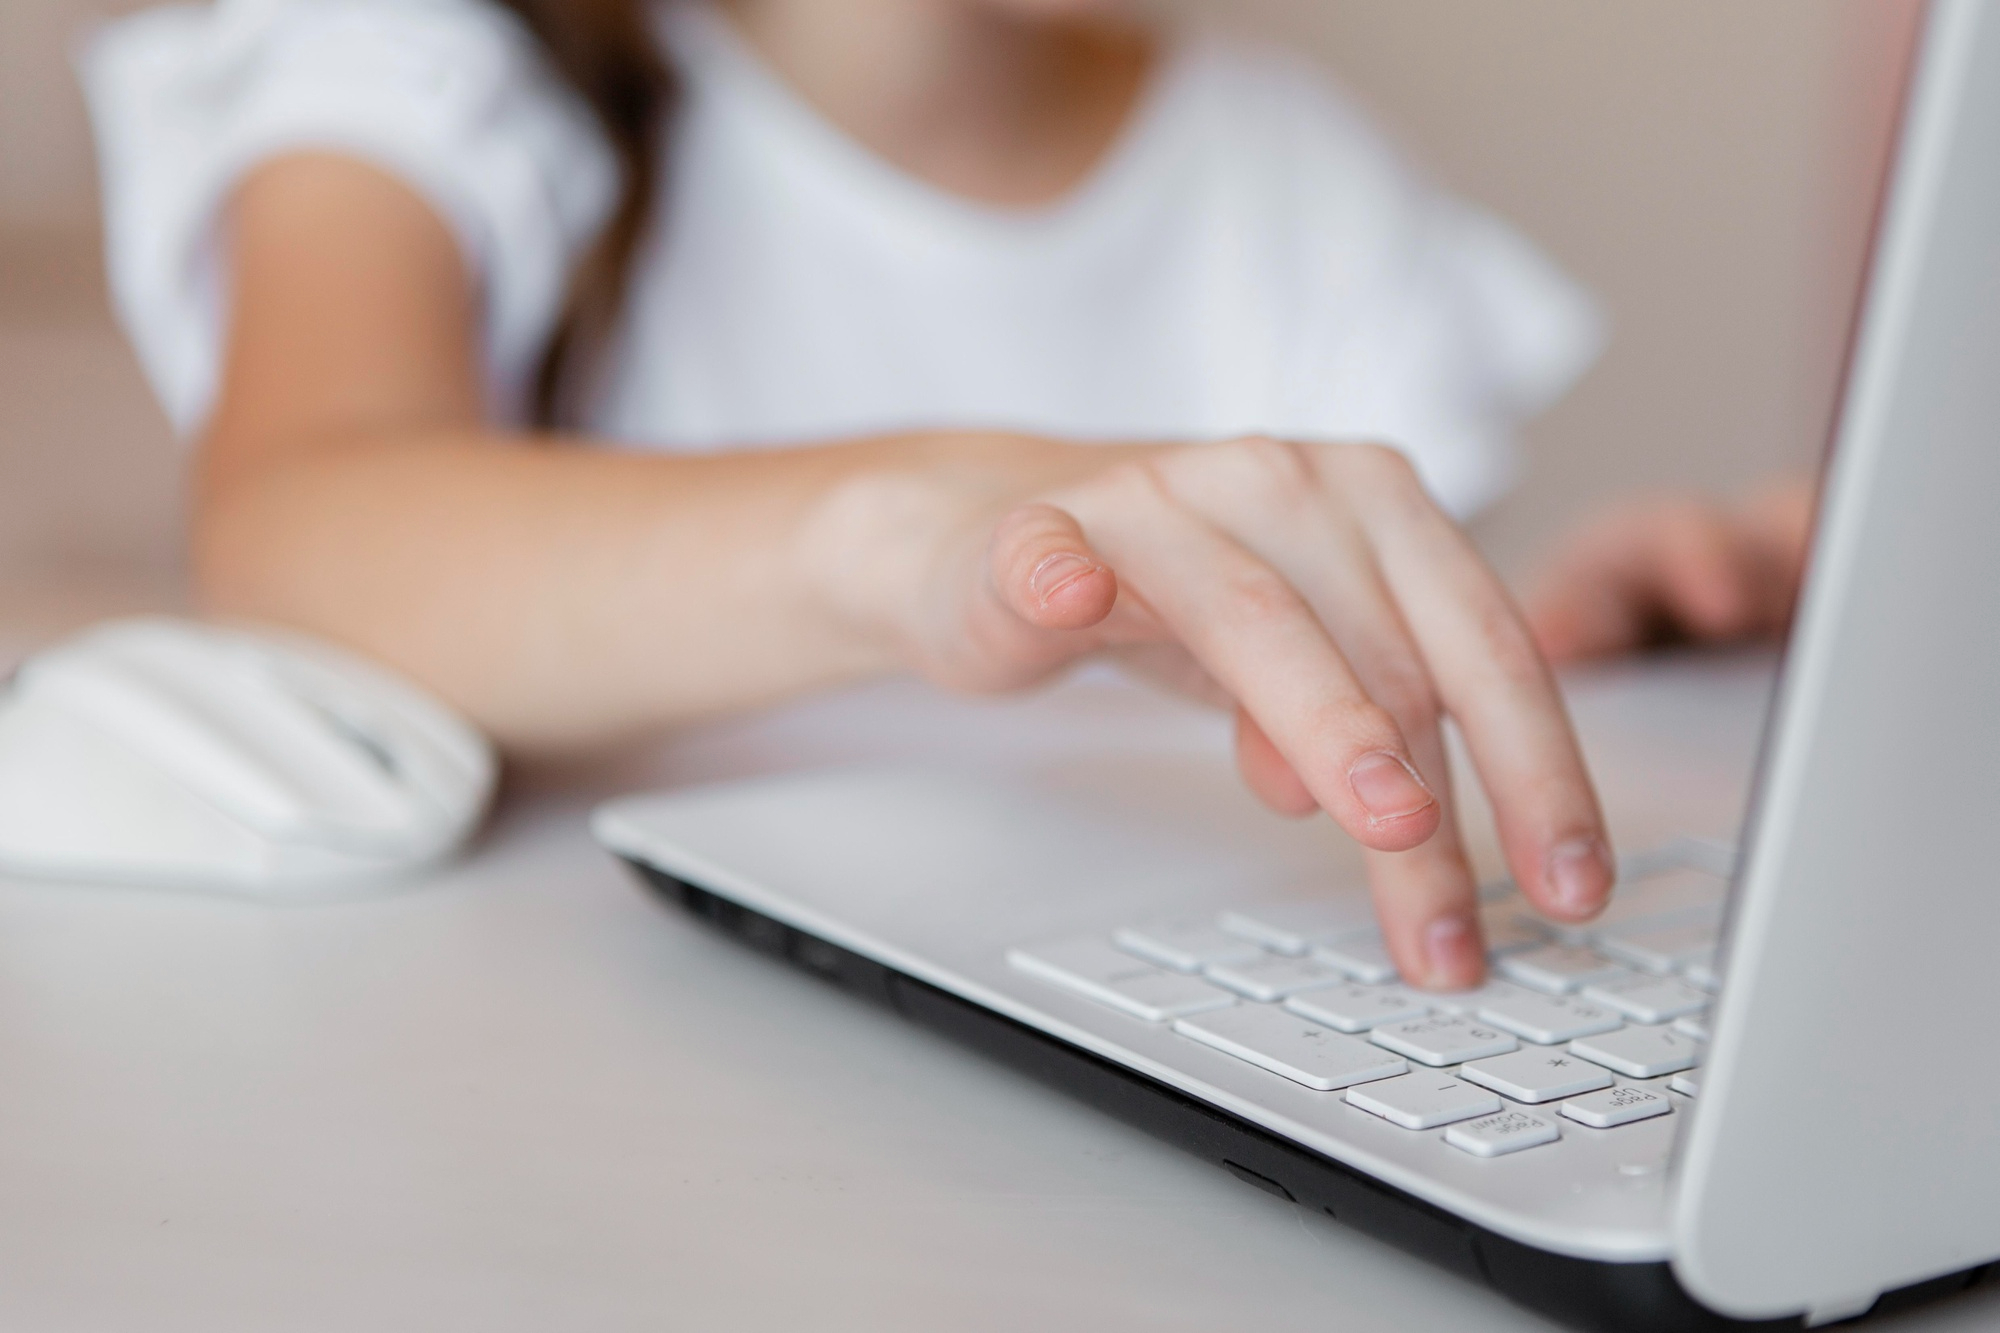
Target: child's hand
1675, 569
1321, 589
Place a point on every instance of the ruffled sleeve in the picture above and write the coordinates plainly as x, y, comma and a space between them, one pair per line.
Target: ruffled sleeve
1476, 332
1425, 322
451, 96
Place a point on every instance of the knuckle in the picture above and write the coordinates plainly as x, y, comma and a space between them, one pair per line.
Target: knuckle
1138, 481
1281, 468
1508, 644
1382, 463
1405, 691
1387, 477
1261, 596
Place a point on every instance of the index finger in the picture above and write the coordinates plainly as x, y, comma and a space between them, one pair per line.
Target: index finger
1251, 630
1493, 680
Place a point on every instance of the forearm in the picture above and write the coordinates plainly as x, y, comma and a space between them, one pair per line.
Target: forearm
563, 595
558, 594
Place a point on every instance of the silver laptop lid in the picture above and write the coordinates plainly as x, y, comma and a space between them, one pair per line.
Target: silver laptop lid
1848, 1135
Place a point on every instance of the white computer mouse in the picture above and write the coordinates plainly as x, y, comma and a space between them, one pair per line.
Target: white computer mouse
170, 752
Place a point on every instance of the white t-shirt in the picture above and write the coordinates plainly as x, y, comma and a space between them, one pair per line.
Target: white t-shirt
1250, 257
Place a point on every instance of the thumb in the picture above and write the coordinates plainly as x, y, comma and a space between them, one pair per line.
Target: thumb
1045, 572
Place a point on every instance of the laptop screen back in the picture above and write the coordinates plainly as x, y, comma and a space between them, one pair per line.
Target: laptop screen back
1848, 1136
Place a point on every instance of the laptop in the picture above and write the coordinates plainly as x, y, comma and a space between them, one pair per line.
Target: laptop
1763, 1086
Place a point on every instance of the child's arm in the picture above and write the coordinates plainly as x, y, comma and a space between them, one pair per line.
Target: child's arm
557, 595
560, 595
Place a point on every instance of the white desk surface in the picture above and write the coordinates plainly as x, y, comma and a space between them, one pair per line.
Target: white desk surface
523, 1095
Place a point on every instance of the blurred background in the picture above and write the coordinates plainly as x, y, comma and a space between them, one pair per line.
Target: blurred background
1707, 166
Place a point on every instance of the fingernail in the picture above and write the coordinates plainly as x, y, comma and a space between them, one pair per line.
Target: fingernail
1452, 947
1056, 573
1579, 875
1387, 787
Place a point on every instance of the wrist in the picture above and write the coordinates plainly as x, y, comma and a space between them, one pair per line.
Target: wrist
886, 546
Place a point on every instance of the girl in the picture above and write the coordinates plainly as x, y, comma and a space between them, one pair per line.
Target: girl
605, 366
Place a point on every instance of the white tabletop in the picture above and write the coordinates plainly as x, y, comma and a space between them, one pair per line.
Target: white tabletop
522, 1095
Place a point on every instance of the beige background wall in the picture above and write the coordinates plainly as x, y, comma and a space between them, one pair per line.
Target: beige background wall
1708, 166
89, 484
1705, 165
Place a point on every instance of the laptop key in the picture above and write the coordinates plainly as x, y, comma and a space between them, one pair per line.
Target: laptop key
1470, 1002
1557, 969
1693, 1025
1496, 1135
1660, 949
1703, 972
1357, 1008
1616, 1106
1668, 898
1646, 999
1185, 945
1272, 976
1360, 954
1286, 1044
1425, 1099
1443, 1039
1549, 1019
1294, 925
1510, 926
1094, 969
1640, 1052
1687, 1084
1537, 1076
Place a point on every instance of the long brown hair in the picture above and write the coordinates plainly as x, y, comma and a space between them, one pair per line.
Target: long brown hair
605, 49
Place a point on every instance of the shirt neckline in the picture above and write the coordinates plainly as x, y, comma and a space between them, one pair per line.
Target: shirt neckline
711, 53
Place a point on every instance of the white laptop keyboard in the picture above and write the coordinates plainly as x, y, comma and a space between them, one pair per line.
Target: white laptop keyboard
1304, 990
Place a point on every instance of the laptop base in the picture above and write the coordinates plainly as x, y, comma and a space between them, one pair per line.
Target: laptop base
1582, 1293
